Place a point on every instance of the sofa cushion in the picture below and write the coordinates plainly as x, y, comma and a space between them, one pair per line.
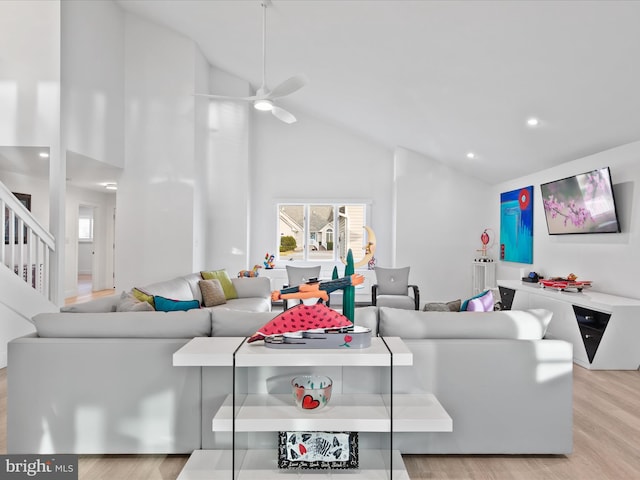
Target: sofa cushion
233, 323
367, 317
194, 323
259, 287
163, 304
222, 275
212, 293
252, 304
192, 280
99, 305
396, 301
177, 288
510, 324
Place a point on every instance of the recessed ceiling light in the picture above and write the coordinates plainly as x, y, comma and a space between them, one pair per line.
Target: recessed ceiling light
111, 186
533, 122
44, 154
471, 155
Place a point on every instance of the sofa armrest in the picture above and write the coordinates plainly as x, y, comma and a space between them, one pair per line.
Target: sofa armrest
252, 287
416, 295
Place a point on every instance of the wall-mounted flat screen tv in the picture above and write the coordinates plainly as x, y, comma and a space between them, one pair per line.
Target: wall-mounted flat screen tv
582, 203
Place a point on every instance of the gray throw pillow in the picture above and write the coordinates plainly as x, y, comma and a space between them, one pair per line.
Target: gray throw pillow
129, 303
452, 306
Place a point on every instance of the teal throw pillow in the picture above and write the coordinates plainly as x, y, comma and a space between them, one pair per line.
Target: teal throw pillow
168, 305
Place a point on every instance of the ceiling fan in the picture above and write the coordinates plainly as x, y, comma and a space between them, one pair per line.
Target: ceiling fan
264, 98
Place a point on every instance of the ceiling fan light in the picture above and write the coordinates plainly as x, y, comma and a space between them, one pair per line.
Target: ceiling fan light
263, 105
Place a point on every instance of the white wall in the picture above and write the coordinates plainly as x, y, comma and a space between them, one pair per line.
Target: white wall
310, 161
227, 174
440, 214
201, 153
93, 79
30, 105
611, 261
30, 74
155, 204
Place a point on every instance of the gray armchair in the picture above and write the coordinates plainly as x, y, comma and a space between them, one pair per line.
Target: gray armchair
392, 289
297, 276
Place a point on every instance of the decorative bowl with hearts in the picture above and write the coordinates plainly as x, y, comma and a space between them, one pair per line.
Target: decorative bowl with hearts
311, 392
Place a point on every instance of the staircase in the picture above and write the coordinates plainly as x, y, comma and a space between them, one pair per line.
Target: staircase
25, 273
26, 246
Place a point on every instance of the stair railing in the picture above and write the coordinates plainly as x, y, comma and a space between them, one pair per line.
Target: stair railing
26, 246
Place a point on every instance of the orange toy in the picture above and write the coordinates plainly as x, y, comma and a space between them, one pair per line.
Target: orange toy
319, 290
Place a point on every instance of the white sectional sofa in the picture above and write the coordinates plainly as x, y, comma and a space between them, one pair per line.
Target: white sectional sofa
110, 386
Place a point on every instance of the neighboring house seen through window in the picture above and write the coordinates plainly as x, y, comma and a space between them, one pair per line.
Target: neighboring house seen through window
321, 232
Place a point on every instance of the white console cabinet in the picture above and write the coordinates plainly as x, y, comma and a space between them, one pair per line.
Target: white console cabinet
604, 329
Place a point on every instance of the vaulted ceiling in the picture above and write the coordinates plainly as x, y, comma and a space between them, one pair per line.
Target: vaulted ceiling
442, 78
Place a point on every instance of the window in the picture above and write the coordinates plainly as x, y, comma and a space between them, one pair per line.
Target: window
321, 232
85, 228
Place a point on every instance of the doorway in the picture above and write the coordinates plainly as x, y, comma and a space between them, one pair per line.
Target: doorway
86, 249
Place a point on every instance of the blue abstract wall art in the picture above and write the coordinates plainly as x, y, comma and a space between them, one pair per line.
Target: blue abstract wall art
516, 225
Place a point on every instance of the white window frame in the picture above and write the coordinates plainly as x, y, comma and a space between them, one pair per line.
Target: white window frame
306, 249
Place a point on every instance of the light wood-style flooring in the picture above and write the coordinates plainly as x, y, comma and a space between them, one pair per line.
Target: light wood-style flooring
85, 291
606, 444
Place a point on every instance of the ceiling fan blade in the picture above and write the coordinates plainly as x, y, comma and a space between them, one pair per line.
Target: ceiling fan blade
289, 86
225, 97
282, 114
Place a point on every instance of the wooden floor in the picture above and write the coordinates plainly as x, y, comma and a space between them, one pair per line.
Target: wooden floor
85, 291
606, 444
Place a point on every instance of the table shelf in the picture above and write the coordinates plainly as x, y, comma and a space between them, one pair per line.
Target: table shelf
263, 465
347, 412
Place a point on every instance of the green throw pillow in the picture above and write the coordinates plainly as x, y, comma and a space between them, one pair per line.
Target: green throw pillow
222, 275
142, 296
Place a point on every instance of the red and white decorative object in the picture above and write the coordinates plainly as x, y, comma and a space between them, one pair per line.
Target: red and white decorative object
311, 392
488, 239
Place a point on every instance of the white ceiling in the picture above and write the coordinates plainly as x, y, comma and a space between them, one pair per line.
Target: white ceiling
82, 172
440, 77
